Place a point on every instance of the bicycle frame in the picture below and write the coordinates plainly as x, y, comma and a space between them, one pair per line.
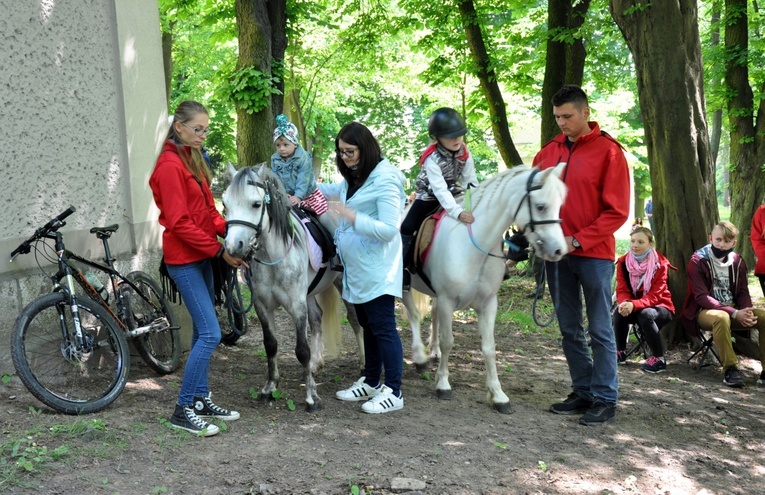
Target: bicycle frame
66, 270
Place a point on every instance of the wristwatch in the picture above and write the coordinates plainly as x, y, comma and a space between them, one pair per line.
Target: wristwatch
575, 243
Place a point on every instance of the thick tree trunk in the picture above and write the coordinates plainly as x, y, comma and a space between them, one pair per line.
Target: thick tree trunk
489, 84
747, 143
253, 131
564, 62
664, 40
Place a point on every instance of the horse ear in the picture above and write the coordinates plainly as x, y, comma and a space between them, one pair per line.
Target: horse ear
559, 169
542, 176
231, 169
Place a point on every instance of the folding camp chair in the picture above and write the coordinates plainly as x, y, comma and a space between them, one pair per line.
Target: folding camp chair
707, 346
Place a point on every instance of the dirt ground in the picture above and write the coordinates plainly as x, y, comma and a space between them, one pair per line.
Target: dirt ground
680, 432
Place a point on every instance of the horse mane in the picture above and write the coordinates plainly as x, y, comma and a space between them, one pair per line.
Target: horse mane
492, 186
278, 208
496, 185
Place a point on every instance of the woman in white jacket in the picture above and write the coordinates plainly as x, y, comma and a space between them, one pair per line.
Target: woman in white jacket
369, 202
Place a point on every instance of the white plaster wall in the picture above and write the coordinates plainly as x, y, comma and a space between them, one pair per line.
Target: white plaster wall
82, 116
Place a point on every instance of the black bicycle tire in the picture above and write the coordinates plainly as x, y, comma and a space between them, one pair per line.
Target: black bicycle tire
117, 343
142, 342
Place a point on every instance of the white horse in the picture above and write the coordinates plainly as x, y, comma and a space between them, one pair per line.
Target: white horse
262, 229
466, 269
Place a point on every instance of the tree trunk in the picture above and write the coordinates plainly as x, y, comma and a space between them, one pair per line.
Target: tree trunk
277, 18
489, 84
254, 130
714, 144
167, 59
747, 142
664, 40
564, 62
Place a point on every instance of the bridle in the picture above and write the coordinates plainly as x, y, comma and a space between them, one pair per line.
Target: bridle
527, 199
258, 228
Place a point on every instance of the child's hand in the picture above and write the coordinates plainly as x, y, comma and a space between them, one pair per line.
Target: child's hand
294, 200
466, 217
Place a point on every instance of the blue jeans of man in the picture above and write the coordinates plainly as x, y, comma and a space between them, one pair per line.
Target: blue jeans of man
382, 343
593, 372
195, 284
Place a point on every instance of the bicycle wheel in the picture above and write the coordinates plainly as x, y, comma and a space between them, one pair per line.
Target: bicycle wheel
69, 378
160, 346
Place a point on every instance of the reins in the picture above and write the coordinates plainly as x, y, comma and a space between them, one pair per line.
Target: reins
529, 226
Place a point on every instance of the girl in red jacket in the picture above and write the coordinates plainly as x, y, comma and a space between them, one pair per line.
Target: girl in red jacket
643, 298
181, 186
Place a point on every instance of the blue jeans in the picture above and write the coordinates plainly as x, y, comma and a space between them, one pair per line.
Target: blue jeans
382, 343
195, 283
593, 374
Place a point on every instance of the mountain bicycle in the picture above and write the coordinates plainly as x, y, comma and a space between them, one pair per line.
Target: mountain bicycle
70, 350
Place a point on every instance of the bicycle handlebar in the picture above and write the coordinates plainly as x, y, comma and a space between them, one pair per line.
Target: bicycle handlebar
53, 225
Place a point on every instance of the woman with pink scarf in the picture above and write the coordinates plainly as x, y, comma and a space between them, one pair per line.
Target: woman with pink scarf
643, 297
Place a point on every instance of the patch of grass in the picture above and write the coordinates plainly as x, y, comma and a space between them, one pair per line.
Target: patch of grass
6, 378
23, 457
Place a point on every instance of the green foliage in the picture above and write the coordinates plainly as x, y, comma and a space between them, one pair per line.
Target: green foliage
251, 89
6, 378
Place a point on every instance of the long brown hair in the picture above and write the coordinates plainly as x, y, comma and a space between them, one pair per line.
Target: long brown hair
369, 149
193, 160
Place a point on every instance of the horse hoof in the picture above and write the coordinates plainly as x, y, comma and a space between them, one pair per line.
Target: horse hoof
421, 367
312, 408
504, 408
444, 394
265, 398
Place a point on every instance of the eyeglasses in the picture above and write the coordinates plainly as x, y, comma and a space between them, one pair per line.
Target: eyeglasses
347, 153
198, 132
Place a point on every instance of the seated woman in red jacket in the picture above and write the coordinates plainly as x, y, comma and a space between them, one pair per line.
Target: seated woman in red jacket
643, 298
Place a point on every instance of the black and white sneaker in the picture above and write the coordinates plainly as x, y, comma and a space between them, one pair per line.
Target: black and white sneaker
385, 401
358, 391
205, 408
184, 418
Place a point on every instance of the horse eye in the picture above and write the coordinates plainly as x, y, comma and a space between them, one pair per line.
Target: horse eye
256, 204
541, 207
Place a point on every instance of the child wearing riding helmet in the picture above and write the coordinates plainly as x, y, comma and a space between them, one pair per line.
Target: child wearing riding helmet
447, 168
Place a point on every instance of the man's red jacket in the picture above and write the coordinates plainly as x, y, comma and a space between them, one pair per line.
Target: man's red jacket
598, 180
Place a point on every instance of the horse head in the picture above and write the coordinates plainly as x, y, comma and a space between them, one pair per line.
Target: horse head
538, 213
255, 204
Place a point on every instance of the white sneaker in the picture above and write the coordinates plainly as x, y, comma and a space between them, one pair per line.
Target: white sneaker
358, 391
383, 402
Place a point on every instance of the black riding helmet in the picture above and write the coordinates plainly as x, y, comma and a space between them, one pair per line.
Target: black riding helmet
446, 123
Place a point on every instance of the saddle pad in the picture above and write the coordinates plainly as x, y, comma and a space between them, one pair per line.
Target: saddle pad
425, 235
314, 250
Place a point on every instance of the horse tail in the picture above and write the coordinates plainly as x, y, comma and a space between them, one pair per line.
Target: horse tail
329, 301
422, 302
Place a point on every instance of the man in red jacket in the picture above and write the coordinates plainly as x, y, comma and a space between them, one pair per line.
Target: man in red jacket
718, 299
597, 205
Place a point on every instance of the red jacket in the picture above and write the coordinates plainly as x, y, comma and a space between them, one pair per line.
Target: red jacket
757, 236
598, 181
701, 283
186, 211
658, 295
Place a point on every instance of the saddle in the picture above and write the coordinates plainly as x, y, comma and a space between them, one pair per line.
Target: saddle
321, 245
425, 235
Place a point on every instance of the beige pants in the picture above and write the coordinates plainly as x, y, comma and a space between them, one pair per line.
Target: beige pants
719, 323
